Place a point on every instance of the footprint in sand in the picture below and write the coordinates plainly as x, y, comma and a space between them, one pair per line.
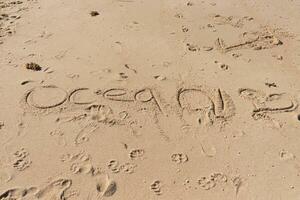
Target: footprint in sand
81, 168
136, 154
55, 189
156, 187
59, 137
81, 156
106, 188
284, 155
18, 193
128, 168
80, 163
222, 66
21, 160
179, 158
208, 149
211, 181
115, 167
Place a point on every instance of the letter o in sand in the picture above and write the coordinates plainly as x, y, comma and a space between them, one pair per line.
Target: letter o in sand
46, 97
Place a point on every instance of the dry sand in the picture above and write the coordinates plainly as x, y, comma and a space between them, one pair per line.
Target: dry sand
157, 99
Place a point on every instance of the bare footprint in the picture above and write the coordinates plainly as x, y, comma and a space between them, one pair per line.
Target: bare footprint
56, 189
18, 193
106, 188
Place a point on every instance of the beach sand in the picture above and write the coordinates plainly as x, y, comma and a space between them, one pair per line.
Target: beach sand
160, 99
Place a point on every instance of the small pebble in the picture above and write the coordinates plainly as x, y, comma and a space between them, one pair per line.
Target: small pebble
94, 13
33, 66
160, 78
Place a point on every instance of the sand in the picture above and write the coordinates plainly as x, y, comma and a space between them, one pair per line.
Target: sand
160, 99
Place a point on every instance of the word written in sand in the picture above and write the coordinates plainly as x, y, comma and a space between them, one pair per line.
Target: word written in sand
214, 102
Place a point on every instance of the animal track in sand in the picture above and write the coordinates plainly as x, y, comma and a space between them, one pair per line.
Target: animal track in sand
81, 168
21, 160
156, 187
81, 156
136, 153
236, 22
89, 128
192, 47
266, 104
179, 158
133, 26
115, 167
100, 113
90, 119
208, 150
237, 183
211, 181
80, 163
59, 137
128, 168
285, 155
222, 66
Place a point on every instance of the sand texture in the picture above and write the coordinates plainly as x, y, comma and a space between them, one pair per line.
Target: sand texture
149, 99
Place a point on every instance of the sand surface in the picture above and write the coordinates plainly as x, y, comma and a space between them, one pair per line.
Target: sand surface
149, 99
